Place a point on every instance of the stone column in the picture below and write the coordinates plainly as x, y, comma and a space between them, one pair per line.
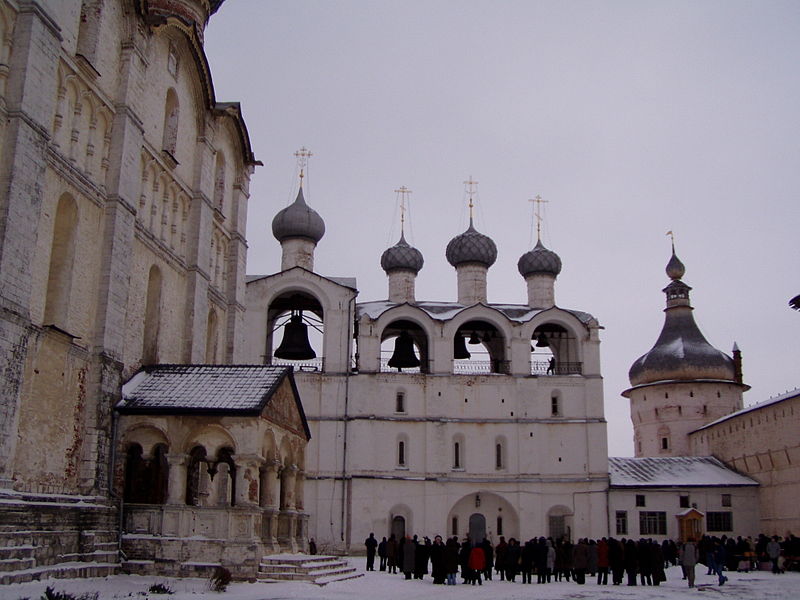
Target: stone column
288, 477
299, 489
176, 490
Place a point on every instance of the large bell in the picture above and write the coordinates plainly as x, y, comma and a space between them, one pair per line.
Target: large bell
474, 339
460, 348
403, 356
542, 341
294, 345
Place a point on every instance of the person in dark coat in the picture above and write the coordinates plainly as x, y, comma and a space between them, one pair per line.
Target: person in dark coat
382, 554
526, 561
409, 556
500, 558
488, 554
540, 560
512, 560
372, 545
437, 556
631, 561
421, 558
451, 559
391, 554
312, 546
580, 561
567, 565
658, 563
645, 562
616, 560
463, 560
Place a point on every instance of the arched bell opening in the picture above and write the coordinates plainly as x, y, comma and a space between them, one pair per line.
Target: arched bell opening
479, 347
295, 332
404, 348
554, 351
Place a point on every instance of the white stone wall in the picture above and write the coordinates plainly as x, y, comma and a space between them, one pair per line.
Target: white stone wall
744, 508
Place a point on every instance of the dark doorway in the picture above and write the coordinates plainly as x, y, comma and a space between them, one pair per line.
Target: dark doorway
399, 528
477, 528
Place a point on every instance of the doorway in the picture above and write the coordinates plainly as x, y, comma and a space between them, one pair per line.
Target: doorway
477, 528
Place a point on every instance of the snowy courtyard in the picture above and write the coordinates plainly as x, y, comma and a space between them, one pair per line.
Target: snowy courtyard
382, 586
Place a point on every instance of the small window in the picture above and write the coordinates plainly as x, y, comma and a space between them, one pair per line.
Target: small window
640, 500
653, 523
719, 521
400, 402
665, 443
622, 522
499, 525
555, 406
401, 454
454, 526
684, 501
726, 500
457, 455
498, 456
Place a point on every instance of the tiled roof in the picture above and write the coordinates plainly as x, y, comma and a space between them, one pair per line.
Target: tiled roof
677, 471
201, 389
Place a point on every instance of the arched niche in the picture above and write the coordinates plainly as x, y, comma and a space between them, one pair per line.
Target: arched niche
559, 522
295, 330
62, 259
479, 346
491, 506
402, 342
555, 345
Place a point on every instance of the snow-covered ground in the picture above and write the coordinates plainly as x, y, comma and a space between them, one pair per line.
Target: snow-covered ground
381, 586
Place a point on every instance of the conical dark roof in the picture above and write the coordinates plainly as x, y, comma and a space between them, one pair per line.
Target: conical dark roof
402, 256
298, 220
471, 247
681, 352
539, 260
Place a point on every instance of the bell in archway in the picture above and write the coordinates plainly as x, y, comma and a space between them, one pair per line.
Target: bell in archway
403, 356
460, 348
541, 341
474, 339
295, 345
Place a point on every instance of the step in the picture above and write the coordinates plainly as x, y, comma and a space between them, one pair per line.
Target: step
326, 580
102, 556
21, 551
16, 564
60, 571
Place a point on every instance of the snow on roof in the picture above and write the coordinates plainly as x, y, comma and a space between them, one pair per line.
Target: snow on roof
208, 389
775, 400
444, 311
677, 471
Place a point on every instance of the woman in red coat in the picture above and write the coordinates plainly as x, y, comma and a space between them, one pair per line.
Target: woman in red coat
602, 562
476, 564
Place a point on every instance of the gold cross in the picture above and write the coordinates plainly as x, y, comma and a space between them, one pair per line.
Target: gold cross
538, 214
302, 157
403, 193
471, 185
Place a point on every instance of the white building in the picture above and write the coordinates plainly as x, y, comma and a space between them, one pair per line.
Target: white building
501, 443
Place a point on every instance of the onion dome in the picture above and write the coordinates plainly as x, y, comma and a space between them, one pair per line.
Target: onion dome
402, 256
471, 247
538, 261
681, 352
298, 220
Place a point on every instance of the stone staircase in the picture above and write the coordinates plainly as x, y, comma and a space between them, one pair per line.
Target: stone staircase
44, 536
320, 570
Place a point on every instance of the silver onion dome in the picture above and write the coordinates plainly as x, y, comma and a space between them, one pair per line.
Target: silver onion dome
540, 260
402, 256
298, 220
471, 247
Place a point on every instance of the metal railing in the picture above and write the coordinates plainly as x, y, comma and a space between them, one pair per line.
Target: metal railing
542, 367
313, 365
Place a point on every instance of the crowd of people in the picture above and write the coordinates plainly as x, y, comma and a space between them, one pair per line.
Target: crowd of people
623, 561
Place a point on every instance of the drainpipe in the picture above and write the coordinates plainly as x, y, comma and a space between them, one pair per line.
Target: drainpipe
345, 499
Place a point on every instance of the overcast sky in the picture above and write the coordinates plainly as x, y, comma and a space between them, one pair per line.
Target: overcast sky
629, 118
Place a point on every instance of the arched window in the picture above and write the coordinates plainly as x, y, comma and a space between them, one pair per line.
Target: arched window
89, 30
555, 404
211, 337
171, 113
62, 257
219, 182
664, 442
400, 402
402, 452
454, 526
499, 454
458, 452
196, 474
499, 525
152, 317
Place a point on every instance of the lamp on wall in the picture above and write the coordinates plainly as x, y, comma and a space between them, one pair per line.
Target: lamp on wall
477, 500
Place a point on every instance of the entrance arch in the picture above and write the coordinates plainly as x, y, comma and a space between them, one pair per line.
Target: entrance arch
398, 527
482, 513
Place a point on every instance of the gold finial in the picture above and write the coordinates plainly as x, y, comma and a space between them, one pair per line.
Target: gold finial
402, 193
471, 191
538, 214
672, 238
302, 157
